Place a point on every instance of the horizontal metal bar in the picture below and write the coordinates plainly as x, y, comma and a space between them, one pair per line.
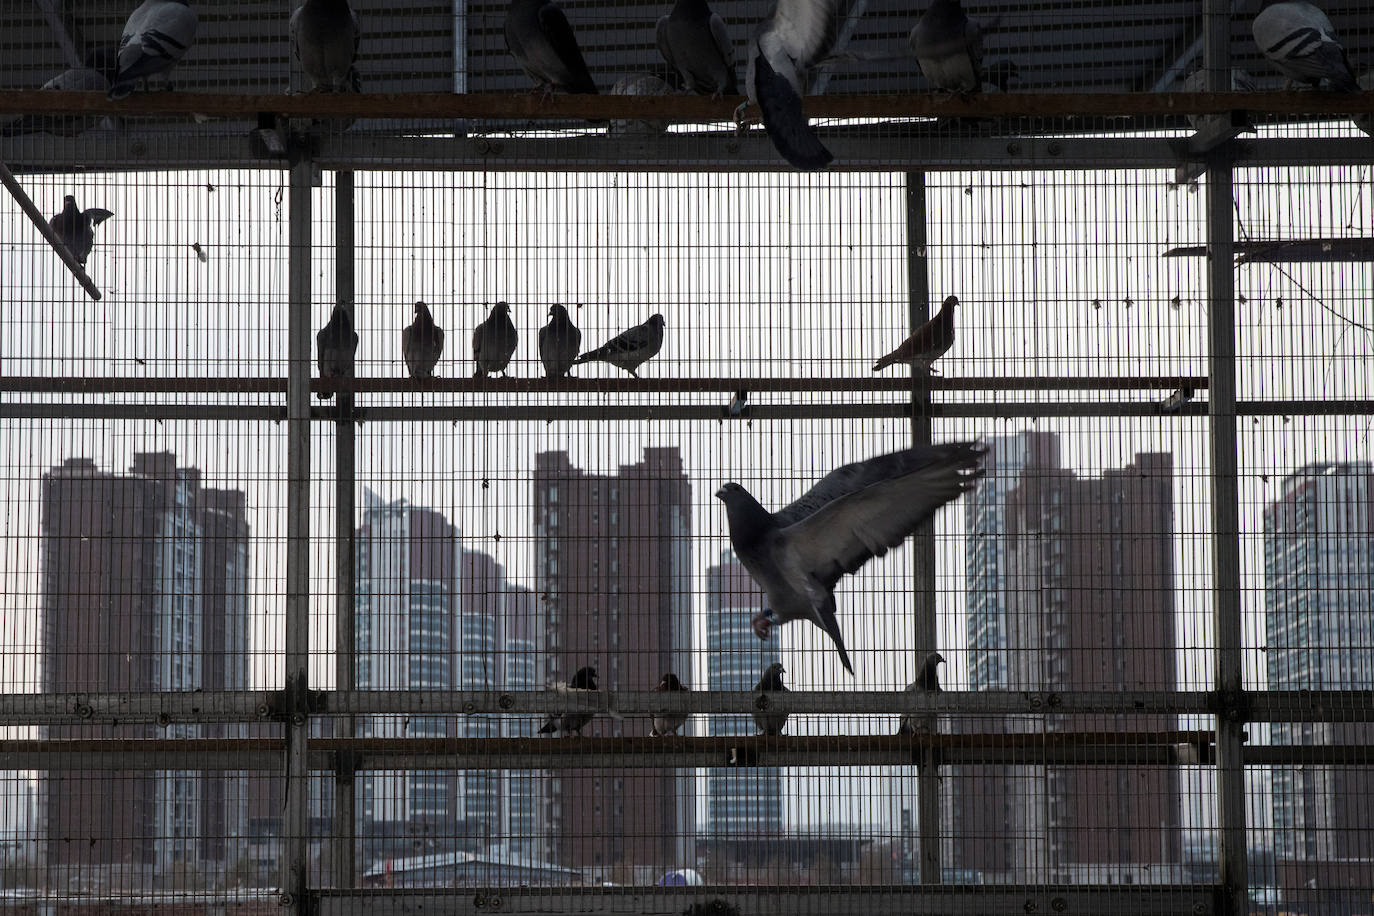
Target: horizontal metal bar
1309, 408
52, 411
901, 900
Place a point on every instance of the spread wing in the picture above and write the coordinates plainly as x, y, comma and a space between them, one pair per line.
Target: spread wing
787, 126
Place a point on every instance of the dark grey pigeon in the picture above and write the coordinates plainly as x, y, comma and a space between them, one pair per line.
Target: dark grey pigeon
422, 342
335, 345
856, 512
927, 681
157, 35
493, 342
76, 227
559, 341
567, 723
695, 43
540, 39
1299, 40
771, 722
796, 35
630, 349
324, 37
93, 77
949, 48
668, 723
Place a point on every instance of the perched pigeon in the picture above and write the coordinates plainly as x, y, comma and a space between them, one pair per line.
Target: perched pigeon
855, 513
324, 38
541, 41
76, 227
157, 35
1299, 40
927, 343
335, 344
567, 723
695, 43
669, 722
771, 723
1241, 81
421, 343
796, 35
639, 84
631, 349
949, 47
493, 342
928, 681
737, 406
93, 77
559, 341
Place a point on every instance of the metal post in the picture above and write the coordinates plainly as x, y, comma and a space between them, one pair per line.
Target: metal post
1221, 399
922, 544
296, 820
345, 590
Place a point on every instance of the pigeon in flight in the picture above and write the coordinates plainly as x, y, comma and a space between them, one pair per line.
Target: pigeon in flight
695, 43
669, 722
493, 342
796, 35
1299, 40
567, 723
949, 48
928, 681
769, 722
630, 349
157, 35
76, 227
927, 343
559, 341
324, 37
854, 513
93, 77
421, 343
541, 41
335, 344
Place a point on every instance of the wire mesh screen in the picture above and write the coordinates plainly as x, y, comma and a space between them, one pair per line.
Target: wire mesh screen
424, 494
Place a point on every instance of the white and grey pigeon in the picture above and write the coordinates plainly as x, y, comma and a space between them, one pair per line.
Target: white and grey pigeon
640, 84
1298, 38
335, 345
559, 342
630, 349
667, 723
94, 76
927, 681
1241, 81
771, 722
494, 341
796, 35
854, 513
324, 38
157, 35
949, 48
540, 39
569, 722
422, 343
695, 43
76, 227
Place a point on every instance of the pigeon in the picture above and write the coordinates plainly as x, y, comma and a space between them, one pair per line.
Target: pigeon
695, 43
1299, 40
639, 84
669, 722
493, 342
157, 35
421, 344
949, 48
541, 41
797, 34
1241, 81
927, 680
324, 38
1365, 122
854, 513
559, 341
737, 406
76, 227
93, 77
927, 343
771, 723
567, 723
630, 349
335, 345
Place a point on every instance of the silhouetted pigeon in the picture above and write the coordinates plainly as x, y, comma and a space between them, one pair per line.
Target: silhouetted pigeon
541, 40
335, 344
422, 342
854, 513
157, 35
771, 722
695, 43
630, 349
76, 227
584, 680
927, 681
1299, 40
927, 343
493, 342
668, 723
559, 341
324, 37
949, 47
795, 35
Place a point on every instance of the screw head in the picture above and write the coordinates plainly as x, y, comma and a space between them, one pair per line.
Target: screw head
469, 707
1059, 904
506, 701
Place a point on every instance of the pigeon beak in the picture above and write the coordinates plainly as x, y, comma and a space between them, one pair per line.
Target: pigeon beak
720, 494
